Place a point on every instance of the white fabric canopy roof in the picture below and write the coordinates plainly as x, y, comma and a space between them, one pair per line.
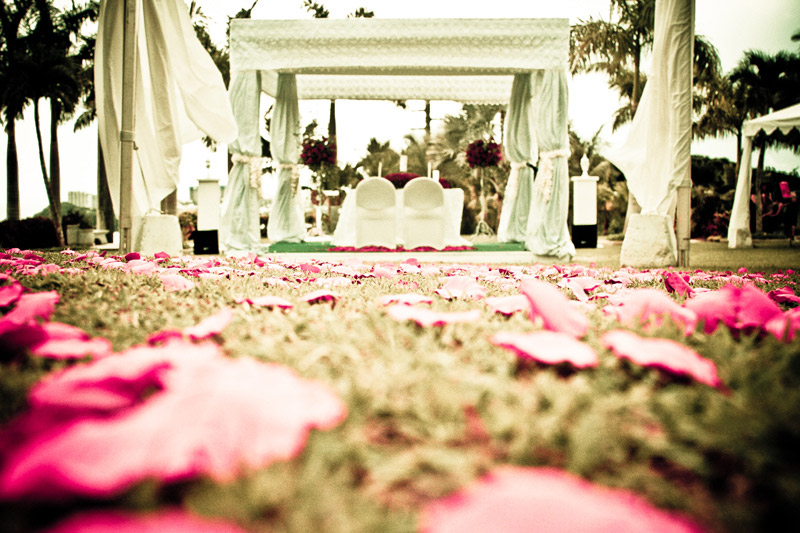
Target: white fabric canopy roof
785, 120
465, 60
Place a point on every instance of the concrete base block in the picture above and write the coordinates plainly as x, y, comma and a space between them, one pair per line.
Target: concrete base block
649, 242
157, 233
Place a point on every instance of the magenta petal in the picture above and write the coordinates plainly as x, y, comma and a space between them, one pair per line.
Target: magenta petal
524, 500
169, 521
550, 304
675, 282
32, 306
322, 295
214, 419
74, 348
508, 305
739, 308
10, 294
784, 294
549, 347
406, 299
271, 301
176, 282
786, 326
426, 317
210, 326
650, 307
666, 354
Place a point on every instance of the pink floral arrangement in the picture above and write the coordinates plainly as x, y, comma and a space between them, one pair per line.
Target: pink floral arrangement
399, 179
481, 153
317, 152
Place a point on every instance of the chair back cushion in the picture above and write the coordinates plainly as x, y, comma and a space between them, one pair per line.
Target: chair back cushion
423, 193
375, 193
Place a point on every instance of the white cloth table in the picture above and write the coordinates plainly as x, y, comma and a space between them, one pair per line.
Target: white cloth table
345, 233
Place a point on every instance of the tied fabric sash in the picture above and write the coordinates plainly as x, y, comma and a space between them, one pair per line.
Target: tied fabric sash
255, 163
545, 178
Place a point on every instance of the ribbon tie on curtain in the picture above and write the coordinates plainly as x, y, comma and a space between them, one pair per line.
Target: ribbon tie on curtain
545, 178
256, 163
513, 177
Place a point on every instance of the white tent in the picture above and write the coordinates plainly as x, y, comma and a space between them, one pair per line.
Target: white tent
785, 120
472, 61
179, 96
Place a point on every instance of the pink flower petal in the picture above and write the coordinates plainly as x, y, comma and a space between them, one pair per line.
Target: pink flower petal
310, 269
176, 282
32, 306
381, 271
405, 299
550, 304
213, 419
320, 296
169, 521
508, 305
649, 308
784, 294
74, 348
666, 354
271, 301
549, 347
785, 327
461, 287
210, 326
739, 308
426, 317
675, 282
132, 255
524, 500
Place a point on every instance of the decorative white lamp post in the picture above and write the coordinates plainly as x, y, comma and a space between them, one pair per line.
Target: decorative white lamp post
584, 208
206, 236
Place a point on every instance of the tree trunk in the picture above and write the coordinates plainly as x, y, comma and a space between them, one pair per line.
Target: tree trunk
12, 173
55, 163
427, 119
56, 223
636, 64
332, 126
757, 187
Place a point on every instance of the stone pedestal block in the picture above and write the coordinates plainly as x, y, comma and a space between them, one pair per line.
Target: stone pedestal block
649, 242
157, 233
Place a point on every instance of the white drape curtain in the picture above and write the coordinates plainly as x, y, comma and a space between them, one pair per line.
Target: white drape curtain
547, 233
656, 157
286, 217
520, 149
179, 96
239, 223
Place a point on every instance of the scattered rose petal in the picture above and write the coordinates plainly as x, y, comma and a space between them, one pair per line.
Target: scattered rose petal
461, 287
320, 296
740, 308
214, 417
666, 354
132, 255
549, 347
406, 299
649, 308
508, 305
675, 282
784, 294
310, 269
10, 294
786, 326
176, 282
381, 271
550, 304
523, 500
271, 301
210, 326
31, 306
426, 317
74, 348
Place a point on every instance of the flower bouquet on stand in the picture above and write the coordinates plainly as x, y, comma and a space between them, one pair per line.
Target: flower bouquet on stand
483, 154
320, 156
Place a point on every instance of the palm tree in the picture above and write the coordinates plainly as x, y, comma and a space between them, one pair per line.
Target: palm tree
13, 99
379, 155
763, 83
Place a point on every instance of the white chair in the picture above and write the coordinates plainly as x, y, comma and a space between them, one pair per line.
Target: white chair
423, 214
376, 216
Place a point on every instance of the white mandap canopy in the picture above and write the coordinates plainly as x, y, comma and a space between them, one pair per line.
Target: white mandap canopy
785, 120
472, 61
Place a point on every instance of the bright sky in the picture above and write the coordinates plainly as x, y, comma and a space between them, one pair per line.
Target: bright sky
733, 26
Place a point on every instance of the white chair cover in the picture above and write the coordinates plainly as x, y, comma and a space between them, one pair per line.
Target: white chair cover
547, 233
423, 214
375, 213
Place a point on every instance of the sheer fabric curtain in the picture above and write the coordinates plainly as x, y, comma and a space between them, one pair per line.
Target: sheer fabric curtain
547, 233
520, 149
286, 218
239, 224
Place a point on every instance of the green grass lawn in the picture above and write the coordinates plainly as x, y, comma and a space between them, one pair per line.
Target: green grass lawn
431, 409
